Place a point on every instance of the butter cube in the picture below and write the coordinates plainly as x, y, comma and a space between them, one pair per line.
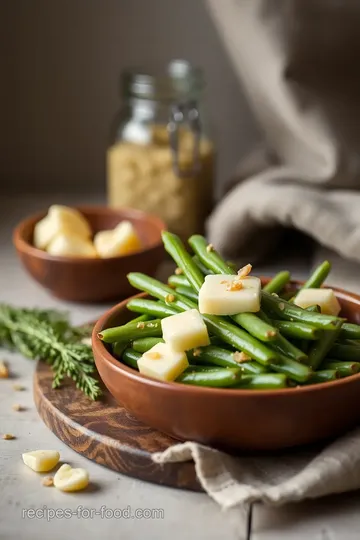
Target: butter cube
325, 298
220, 295
69, 479
65, 245
120, 241
41, 460
185, 331
163, 363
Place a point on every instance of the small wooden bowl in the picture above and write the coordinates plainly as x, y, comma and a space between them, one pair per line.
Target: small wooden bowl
86, 279
234, 419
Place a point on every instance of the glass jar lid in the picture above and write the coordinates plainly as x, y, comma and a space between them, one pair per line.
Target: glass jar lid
178, 82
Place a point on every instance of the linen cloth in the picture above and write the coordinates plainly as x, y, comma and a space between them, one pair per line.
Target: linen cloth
274, 479
296, 63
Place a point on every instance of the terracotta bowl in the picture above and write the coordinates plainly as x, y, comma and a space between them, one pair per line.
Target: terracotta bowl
233, 419
92, 280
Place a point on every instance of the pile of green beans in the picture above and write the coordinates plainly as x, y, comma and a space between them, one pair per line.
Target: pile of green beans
283, 345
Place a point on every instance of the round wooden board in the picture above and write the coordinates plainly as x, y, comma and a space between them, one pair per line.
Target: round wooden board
106, 433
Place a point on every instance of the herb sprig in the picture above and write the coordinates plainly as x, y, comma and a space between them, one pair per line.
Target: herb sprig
48, 335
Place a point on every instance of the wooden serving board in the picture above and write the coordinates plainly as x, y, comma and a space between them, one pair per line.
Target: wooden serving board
106, 433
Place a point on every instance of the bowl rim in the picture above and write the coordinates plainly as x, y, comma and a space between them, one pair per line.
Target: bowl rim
25, 246
100, 351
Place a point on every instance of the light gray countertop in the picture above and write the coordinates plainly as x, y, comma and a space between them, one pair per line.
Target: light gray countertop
192, 515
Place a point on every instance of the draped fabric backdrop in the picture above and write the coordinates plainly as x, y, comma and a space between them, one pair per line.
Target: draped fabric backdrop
297, 62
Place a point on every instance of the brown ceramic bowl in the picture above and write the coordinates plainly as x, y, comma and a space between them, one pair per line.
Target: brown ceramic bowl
92, 280
237, 419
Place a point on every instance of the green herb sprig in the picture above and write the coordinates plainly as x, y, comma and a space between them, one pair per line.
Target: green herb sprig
48, 335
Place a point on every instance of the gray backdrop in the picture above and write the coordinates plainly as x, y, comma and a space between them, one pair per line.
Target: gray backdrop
60, 63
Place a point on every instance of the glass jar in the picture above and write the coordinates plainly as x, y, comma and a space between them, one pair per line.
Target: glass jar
161, 159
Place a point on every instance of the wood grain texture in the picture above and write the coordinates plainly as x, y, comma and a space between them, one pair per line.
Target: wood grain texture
106, 433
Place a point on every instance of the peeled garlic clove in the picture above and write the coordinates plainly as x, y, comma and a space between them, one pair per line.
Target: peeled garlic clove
70, 219
127, 237
104, 244
65, 245
44, 232
41, 460
60, 220
120, 241
69, 479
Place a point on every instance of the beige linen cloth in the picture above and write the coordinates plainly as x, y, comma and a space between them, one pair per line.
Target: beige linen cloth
297, 61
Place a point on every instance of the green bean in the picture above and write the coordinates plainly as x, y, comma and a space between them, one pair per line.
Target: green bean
142, 345
221, 357
264, 316
131, 331
323, 375
318, 277
218, 326
351, 353
150, 307
321, 347
256, 327
118, 348
214, 340
188, 292
350, 331
178, 281
206, 271
130, 358
252, 368
141, 318
221, 378
240, 339
343, 368
286, 310
297, 330
208, 256
278, 282
201, 266
303, 345
281, 345
175, 247
292, 369
265, 381
285, 347
232, 265
313, 309
212, 355
200, 368
159, 290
